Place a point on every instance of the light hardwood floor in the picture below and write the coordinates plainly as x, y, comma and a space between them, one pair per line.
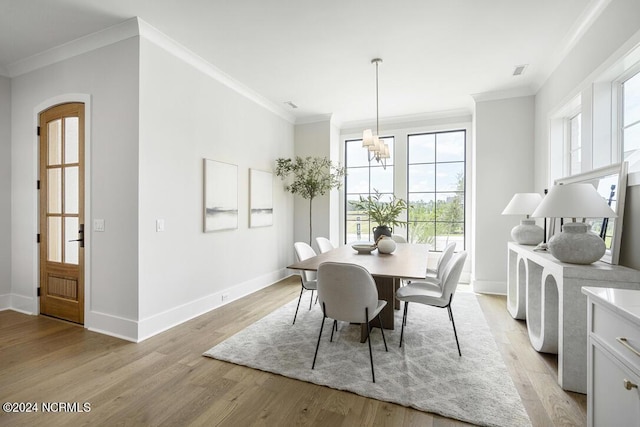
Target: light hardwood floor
165, 380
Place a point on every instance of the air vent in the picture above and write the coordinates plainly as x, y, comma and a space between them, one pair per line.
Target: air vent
291, 104
519, 70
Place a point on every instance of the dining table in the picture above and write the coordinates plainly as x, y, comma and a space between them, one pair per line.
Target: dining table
407, 261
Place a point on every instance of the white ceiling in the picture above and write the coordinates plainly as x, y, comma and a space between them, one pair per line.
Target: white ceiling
436, 53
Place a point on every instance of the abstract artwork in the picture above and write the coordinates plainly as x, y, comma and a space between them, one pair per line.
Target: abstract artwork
220, 196
260, 198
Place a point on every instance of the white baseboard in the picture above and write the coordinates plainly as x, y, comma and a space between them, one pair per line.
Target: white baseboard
161, 322
489, 287
5, 302
114, 326
22, 304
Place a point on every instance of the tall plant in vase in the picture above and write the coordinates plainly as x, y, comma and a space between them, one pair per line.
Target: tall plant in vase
310, 177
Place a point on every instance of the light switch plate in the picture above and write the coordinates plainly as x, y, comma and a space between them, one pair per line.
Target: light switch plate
159, 225
98, 225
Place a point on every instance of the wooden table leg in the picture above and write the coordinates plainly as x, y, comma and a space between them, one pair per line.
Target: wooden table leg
386, 291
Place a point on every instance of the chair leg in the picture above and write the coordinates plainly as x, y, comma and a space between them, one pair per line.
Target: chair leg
382, 330
404, 320
311, 300
334, 327
319, 336
299, 298
366, 313
454, 329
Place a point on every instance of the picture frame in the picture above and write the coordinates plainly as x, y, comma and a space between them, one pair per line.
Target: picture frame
611, 184
260, 198
220, 196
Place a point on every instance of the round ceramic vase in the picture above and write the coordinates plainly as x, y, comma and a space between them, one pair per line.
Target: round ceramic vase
386, 245
577, 245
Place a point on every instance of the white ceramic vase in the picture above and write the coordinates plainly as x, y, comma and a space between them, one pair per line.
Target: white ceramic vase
577, 245
386, 245
527, 233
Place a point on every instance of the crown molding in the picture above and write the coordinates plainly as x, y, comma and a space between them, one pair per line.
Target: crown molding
102, 38
163, 41
579, 28
315, 119
461, 114
503, 94
135, 27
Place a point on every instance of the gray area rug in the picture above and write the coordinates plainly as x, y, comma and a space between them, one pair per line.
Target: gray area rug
425, 374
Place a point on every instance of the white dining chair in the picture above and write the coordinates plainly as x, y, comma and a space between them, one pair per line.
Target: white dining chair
348, 293
324, 244
433, 277
308, 278
398, 238
414, 292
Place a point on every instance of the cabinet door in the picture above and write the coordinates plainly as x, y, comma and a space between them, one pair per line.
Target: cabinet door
613, 403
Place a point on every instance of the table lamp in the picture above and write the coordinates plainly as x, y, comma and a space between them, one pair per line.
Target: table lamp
576, 244
527, 233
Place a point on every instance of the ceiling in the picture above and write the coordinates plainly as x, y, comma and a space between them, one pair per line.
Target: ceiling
316, 54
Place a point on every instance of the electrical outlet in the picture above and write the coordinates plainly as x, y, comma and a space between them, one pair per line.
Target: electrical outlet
225, 297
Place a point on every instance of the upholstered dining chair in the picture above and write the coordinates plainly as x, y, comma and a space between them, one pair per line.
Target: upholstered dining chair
324, 244
414, 292
398, 238
348, 293
433, 277
304, 251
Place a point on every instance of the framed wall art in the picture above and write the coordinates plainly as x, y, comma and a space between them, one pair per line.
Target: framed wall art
260, 198
220, 196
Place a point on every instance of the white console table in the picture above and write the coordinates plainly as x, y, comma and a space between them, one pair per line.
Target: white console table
546, 292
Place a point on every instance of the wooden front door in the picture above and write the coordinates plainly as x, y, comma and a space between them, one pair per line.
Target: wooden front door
62, 212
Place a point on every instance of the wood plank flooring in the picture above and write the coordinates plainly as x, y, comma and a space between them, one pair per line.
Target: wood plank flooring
165, 380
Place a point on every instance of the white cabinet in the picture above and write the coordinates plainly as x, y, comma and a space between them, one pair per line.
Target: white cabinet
613, 357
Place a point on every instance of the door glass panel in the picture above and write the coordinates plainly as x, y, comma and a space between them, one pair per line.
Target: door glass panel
71, 140
54, 252
54, 136
71, 190
71, 233
54, 195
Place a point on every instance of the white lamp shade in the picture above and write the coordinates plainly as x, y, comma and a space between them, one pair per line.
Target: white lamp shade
573, 201
522, 204
385, 152
367, 138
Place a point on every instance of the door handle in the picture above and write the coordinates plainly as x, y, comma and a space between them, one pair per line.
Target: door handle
81, 238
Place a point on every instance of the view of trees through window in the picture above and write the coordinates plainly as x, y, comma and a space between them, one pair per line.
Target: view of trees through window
436, 184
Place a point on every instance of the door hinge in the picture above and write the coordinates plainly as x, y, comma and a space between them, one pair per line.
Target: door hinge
38, 186
38, 130
38, 291
38, 238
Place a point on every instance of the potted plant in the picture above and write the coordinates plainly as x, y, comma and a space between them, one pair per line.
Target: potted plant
385, 214
312, 177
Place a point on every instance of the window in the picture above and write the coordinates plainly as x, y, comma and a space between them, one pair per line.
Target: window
631, 121
362, 179
436, 187
575, 144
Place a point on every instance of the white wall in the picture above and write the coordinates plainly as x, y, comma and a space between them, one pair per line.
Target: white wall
313, 139
185, 116
502, 166
608, 40
5, 192
108, 77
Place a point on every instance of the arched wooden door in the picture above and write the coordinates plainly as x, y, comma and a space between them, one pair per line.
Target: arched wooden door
61, 195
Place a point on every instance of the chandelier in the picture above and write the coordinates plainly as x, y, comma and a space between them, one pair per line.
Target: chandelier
378, 149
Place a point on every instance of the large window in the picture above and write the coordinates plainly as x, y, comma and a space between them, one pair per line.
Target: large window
436, 186
631, 121
364, 177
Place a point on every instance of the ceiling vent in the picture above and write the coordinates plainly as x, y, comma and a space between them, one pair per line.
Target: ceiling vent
291, 104
519, 70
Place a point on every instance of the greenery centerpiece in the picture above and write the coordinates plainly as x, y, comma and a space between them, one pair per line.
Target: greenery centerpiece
385, 214
311, 177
